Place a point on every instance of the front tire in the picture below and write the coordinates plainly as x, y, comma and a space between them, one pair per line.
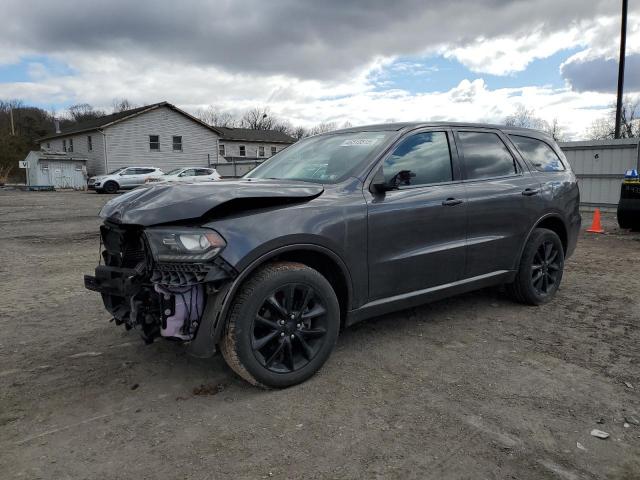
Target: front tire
110, 187
541, 268
283, 325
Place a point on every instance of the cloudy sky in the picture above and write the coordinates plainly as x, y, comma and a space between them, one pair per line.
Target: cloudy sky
324, 60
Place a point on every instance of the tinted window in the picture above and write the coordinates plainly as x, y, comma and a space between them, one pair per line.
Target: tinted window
421, 159
538, 153
203, 172
188, 173
485, 155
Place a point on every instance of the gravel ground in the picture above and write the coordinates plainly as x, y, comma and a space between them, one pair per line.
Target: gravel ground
471, 387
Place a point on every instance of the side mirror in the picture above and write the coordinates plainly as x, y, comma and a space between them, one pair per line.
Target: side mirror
378, 185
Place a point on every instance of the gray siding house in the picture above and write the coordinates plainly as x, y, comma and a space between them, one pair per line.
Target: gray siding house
238, 144
159, 135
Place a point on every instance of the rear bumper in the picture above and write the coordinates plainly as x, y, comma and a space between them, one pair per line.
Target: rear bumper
573, 231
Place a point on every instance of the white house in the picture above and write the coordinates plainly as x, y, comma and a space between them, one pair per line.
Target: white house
159, 135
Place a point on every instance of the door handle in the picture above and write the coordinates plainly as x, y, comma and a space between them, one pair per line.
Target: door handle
449, 202
528, 192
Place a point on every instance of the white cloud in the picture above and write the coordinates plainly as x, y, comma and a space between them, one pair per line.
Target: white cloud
505, 55
98, 80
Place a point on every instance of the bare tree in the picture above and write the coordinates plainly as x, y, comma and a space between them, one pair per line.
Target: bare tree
258, 118
525, 118
83, 111
604, 128
121, 105
555, 130
217, 117
299, 133
323, 127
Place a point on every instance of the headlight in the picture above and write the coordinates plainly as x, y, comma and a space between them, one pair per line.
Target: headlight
184, 244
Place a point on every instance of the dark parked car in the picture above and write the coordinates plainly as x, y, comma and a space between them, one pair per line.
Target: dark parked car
335, 229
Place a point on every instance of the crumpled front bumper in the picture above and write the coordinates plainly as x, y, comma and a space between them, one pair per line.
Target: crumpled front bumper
130, 281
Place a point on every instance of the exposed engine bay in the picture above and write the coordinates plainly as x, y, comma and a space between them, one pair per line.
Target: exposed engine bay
157, 298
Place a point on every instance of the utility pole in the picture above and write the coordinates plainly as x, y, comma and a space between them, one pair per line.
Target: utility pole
623, 45
13, 132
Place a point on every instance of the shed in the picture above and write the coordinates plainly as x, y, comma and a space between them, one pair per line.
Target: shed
600, 166
60, 170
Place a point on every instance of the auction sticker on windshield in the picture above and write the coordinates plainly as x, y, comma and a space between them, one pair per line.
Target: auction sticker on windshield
359, 141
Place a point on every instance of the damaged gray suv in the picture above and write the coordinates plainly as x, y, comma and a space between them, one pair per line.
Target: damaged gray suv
335, 229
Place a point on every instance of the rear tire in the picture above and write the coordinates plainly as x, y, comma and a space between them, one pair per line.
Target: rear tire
110, 187
624, 221
283, 325
541, 268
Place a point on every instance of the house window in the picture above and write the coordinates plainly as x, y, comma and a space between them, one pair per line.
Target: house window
154, 142
273, 150
177, 144
44, 167
221, 151
71, 144
261, 151
48, 145
89, 144
243, 151
64, 145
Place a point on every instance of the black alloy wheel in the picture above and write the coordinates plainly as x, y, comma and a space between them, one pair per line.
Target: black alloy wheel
289, 329
282, 325
540, 269
545, 268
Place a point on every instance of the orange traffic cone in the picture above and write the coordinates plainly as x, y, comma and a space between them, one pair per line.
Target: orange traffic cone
596, 227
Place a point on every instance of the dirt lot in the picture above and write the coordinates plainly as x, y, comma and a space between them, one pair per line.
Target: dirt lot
472, 387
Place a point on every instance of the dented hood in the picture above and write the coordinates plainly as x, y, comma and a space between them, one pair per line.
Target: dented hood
171, 203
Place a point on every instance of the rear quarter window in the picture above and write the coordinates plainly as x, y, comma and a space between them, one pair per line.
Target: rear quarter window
538, 154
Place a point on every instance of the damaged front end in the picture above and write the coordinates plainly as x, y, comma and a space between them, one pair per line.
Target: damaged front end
158, 280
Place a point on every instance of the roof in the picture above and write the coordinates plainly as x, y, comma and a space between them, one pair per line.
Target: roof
249, 135
413, 125
608, 143
107, 120
69, 156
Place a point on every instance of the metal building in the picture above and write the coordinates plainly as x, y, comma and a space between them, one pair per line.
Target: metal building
600, 166
60, 170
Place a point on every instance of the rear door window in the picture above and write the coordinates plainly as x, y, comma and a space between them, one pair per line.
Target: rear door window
538, 153
486, 155
421, 159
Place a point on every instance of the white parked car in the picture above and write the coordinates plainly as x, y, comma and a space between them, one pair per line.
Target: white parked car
188, 174
124, 178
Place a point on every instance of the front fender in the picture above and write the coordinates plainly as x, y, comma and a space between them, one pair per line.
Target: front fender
218, 304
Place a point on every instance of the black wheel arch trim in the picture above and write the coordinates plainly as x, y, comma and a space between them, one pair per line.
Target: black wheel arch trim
535, 225
217, 308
